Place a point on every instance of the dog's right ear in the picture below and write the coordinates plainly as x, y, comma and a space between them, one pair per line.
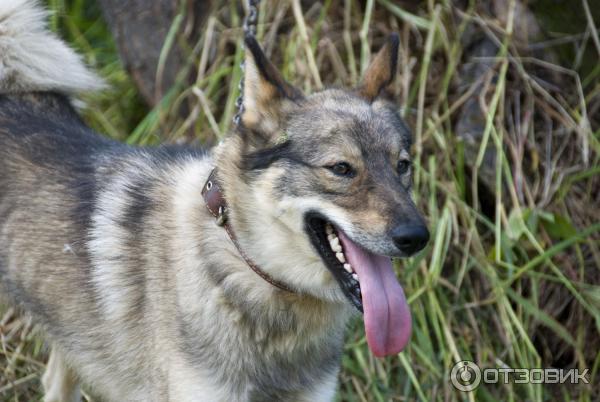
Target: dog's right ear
266, 93
380, 72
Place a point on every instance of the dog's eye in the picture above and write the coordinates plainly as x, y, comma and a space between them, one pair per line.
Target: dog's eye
403, 167
342, 169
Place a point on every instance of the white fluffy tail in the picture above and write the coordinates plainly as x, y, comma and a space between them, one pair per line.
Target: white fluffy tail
32, 58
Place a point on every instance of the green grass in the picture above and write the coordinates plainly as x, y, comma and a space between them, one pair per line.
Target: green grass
511, 276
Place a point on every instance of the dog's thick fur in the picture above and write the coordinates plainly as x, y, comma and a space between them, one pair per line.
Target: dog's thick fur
112, 250
33, 59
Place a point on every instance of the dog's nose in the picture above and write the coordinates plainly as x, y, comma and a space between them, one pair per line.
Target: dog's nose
410, 238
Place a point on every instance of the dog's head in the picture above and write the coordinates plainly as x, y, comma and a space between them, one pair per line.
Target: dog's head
319, 190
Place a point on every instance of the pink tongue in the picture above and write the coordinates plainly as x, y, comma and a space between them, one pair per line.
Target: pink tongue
387, 317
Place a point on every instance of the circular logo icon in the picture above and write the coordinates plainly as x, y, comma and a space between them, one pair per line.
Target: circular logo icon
465, 376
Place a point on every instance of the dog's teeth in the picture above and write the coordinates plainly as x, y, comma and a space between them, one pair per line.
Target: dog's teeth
328, 229
331, 236
348, 268
340, 256
355, 277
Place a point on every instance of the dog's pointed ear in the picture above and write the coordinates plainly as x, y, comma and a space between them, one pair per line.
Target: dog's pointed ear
382, 69
266, 93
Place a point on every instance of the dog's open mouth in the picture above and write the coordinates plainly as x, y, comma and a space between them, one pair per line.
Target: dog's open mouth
325, 238
368, 281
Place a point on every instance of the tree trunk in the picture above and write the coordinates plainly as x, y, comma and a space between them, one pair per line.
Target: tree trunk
140, 29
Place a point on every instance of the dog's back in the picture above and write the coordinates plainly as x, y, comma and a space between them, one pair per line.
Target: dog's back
78, 216
50, 163
83, 220
45, 155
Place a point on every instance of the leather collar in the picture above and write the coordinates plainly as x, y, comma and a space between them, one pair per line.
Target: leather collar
217, 205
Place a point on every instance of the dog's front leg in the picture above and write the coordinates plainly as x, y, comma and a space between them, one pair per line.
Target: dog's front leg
59, 381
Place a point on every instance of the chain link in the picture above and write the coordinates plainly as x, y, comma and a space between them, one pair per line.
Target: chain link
250, 22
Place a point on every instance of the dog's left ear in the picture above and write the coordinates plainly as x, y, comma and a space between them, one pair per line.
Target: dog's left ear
266, 94
380, 72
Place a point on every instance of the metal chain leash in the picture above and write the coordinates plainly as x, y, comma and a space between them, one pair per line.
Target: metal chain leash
250, 22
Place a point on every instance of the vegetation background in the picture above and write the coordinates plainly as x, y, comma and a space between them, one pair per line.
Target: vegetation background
504, 100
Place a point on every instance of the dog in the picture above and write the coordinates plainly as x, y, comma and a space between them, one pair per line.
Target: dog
179, 274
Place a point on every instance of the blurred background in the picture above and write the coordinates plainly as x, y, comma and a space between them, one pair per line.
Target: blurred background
503, 97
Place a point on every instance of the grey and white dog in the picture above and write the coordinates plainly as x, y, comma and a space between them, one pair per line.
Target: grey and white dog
141, 295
